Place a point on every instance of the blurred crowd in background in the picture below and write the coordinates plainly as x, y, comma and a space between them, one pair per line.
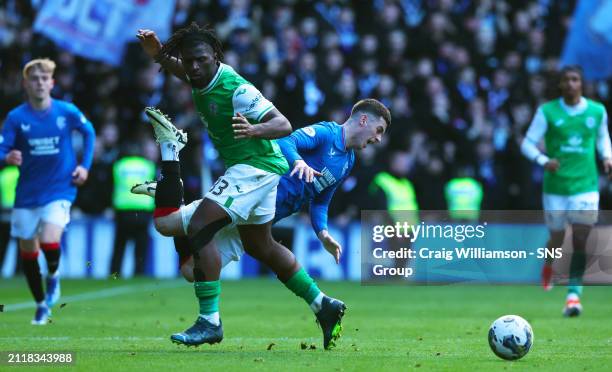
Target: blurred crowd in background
462, 79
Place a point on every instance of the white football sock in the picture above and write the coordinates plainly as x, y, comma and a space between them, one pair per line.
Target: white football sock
169, 151
211, 318
317, 302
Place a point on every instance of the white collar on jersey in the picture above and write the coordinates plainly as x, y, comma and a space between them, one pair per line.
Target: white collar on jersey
576, 109
215, 78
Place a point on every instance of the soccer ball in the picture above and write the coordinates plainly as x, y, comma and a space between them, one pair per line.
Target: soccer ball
510, 337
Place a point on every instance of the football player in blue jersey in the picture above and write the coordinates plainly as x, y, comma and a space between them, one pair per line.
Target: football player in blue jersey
321, 156
37, 137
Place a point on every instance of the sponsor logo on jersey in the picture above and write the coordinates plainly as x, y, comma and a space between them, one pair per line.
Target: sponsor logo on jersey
25, 127
559, 122
254, 102
331, 152
573, 145
309, 131
575, 140
44, 145
324, 181
61, 122
590, 122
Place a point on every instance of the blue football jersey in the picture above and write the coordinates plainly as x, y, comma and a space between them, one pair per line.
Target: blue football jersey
322, 147
48, 158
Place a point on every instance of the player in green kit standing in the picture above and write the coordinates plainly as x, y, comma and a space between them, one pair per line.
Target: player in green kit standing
245, 196
572, 127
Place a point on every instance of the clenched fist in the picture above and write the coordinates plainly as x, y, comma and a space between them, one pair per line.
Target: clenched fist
13, 158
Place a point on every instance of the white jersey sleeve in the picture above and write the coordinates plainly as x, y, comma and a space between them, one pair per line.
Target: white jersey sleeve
534, 135
249, 101
603, 138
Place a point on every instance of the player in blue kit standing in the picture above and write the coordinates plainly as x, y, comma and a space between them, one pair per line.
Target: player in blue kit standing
37, 137
322, 156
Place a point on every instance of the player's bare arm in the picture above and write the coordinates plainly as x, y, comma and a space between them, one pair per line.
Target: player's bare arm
273, 125
152, 46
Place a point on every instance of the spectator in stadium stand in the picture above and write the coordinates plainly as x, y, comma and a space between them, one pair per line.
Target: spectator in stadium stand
133, 213
398, 190
463, 195
402, 205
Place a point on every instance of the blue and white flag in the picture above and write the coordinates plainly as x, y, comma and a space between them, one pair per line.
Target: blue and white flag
100, 29
589, 41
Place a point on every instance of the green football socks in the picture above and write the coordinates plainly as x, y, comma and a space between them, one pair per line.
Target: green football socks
302, 285
577, 267
208, 296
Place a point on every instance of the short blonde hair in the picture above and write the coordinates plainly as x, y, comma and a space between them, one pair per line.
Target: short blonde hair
45, 64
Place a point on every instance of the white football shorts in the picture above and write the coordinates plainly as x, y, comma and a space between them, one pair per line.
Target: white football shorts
25, 222
560, 210
247, 194
227, 240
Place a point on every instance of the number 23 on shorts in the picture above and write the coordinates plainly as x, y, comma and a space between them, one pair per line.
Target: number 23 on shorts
219, 186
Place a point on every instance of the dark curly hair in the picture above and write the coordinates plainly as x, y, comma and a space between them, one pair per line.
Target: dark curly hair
192, 35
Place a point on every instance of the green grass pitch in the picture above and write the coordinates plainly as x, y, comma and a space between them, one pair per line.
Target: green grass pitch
125, 325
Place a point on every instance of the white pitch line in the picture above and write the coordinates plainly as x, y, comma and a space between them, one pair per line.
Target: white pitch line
104, 293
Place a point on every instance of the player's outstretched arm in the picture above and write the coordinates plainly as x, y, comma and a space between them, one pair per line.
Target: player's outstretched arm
330, 244
152, 46
318, 218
